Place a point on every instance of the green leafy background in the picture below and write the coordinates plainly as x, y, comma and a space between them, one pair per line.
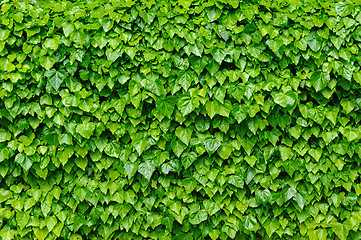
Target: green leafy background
180, 119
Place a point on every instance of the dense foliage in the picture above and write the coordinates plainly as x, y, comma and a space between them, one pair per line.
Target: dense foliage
180, 119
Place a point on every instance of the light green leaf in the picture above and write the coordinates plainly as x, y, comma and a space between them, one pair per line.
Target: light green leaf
271, 225
86, 130
251, 223
187, 104
236, 181
197, 216
198, 63
81, 162
251, 160
185, 79
314, 41
342, 8
264, 196
47, 62
295, 131
198, 48
7, 234
4, 135
319, 80
290, 193
211, 207
68, 28
239, 112
140, 142
176, 207
340, 230
218, 54
56, 78
52, 43
146, 169
287, 99
212, 144
225, 151
329, 136
184, 134
130, 169
4, 34
40, 234
155, 87
347, 105
301, 201
315, 153
212, 108
178, 147
188, 158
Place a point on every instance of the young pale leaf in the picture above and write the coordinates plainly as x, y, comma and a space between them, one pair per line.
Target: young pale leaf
4, 135
52, 43
81, 162
47, 61
225, 151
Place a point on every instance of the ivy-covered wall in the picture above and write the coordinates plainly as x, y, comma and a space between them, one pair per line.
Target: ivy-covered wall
183, 119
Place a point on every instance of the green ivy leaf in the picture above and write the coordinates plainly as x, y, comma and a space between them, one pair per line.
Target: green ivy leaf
81, 162
85, 130
184, 134
225, 151
47, 62
251, 223
146, 169
187, 104
285, 100
188, 158
185, 79
7, 234
130, 169
342, 8
4, 135
239, 112
212, 144
218, 54
347, 105
56, 78
314, 41
319, 80
52, 43
165, 106
4, 34
211, 207
41, 233
197, 216
140, 142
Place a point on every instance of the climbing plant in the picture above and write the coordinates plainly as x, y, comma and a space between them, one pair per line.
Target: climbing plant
157, 119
